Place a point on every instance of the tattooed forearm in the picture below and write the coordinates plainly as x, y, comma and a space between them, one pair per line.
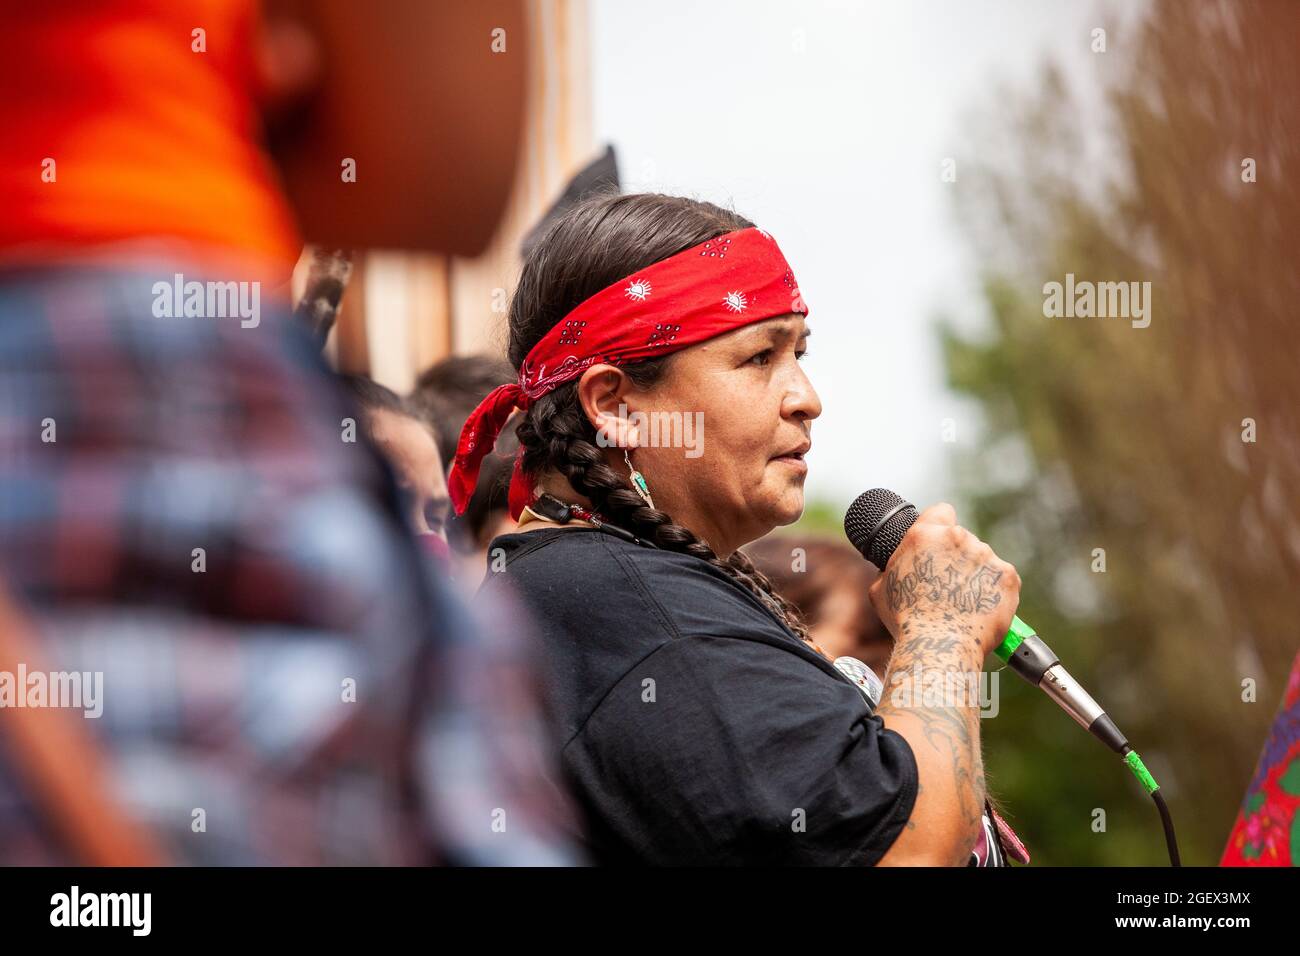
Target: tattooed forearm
937, 648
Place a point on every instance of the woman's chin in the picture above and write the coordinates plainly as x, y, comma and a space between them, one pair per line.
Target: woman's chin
787, 507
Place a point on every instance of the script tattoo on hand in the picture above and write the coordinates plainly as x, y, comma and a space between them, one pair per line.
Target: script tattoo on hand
972, 593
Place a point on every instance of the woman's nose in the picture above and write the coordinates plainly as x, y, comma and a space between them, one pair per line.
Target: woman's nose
802, 400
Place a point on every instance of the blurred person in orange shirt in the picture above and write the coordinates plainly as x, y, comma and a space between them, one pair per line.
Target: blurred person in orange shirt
134, 129
178, 510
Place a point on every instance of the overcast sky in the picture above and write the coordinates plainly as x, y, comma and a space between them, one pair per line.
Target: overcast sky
826, 122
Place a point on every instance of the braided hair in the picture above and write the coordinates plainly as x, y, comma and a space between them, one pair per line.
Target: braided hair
598, 241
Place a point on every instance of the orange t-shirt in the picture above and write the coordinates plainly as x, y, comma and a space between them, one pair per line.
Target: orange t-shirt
115, 129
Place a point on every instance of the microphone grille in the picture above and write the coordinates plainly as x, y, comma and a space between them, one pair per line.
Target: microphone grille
868, 530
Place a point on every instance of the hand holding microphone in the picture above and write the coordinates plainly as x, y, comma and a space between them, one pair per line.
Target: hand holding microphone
943, 574
879, 523
930, 564
947, 599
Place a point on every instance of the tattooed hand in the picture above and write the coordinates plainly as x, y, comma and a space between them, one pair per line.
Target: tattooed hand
943, 574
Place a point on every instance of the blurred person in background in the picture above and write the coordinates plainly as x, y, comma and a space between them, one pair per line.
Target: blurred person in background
444, 394
179, 510
449, 389
827, 580
408, 445
487, 516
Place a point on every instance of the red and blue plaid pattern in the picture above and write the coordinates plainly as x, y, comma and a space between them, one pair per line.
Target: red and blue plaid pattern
286, 681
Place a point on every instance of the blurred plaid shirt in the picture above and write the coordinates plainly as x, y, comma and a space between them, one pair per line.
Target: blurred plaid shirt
226, 689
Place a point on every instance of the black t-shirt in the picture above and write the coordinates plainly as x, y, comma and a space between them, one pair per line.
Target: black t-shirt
694, 726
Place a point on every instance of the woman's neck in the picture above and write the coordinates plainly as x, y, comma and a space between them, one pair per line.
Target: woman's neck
557, 485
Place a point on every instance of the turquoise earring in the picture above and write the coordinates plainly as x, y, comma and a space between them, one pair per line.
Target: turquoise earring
638, 481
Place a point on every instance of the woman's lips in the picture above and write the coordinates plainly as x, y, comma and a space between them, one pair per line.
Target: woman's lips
795, 462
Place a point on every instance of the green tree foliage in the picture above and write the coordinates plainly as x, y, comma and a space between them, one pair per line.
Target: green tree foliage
1133, 437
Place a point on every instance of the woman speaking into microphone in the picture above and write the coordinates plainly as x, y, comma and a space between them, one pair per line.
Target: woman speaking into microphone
696, 722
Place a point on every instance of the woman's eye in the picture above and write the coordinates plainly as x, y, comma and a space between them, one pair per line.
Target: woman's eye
764, 358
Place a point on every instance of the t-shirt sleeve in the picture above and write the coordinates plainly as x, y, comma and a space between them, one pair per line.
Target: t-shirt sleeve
718, 750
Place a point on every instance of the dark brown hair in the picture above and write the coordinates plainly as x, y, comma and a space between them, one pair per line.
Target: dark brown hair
449, 390
597, 242
373, 397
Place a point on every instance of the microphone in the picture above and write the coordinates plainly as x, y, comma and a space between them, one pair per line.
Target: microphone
876, 523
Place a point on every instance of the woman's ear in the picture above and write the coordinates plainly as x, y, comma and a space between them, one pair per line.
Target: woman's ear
602, 392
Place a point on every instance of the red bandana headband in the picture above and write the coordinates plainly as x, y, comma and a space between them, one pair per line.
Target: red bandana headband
720, 285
